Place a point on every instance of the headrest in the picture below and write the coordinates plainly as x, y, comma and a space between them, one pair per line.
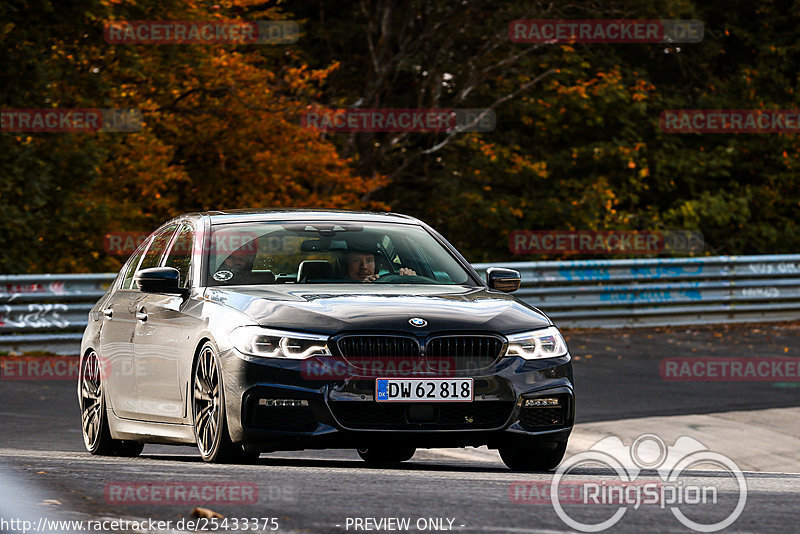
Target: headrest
314, 270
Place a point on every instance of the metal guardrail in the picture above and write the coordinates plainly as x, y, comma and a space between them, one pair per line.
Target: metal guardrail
49, 312
663, 292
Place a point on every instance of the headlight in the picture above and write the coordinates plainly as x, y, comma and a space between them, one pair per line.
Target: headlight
259, 341
545, 343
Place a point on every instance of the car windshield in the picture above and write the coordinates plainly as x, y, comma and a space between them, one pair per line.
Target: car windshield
328, 252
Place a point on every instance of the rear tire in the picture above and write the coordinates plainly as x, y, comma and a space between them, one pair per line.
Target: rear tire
386, 456
94, 420
536, 457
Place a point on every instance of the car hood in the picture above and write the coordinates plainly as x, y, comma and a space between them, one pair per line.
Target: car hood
330, 309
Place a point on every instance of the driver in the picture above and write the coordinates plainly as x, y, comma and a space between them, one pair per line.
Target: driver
361, 266
236, 266
238, 263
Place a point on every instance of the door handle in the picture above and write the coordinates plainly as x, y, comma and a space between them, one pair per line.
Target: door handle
142, 316
108, 313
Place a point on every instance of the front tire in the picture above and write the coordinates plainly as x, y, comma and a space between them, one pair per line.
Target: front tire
536, 457
386, 456
208, 411
94, 420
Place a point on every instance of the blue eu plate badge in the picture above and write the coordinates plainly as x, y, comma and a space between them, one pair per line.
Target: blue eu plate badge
382, 390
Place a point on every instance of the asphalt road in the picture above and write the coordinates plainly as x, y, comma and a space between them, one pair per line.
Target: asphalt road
46, 473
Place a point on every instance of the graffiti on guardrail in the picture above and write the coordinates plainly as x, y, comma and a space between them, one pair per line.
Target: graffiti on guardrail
774, 268
568, 273
666, 271
610, 295
24, 288
34, 316
764, 292
11, 292
571, 273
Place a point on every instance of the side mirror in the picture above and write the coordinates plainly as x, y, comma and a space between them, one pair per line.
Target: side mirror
506, 280
160, 280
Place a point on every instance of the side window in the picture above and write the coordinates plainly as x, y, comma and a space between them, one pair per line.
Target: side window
156, 249
391, 251
180, 255
413, 257
127, 282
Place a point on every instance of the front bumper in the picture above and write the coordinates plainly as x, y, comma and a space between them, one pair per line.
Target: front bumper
342, 413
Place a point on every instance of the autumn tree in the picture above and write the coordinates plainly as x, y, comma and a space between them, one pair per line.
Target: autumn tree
577, 143
221, 130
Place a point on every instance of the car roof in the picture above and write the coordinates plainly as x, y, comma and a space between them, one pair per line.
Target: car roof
302, 214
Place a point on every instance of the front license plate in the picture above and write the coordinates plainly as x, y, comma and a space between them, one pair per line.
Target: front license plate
423, 389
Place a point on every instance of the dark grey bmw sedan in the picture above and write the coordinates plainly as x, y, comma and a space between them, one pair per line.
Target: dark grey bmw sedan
252, 331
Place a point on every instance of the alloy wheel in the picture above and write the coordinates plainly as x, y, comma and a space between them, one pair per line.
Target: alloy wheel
91, 401
206, 401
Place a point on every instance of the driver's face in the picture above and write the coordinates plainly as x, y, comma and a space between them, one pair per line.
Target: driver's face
360, 266
236, 262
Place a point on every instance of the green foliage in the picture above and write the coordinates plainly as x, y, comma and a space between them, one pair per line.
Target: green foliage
581, 148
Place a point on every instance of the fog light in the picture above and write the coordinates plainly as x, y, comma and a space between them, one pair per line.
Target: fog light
282, 402
547, 401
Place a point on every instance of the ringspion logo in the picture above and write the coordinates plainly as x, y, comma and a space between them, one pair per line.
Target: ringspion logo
587, 491
668, 491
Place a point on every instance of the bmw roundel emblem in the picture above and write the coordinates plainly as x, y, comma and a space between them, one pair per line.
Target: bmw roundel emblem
416, 321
